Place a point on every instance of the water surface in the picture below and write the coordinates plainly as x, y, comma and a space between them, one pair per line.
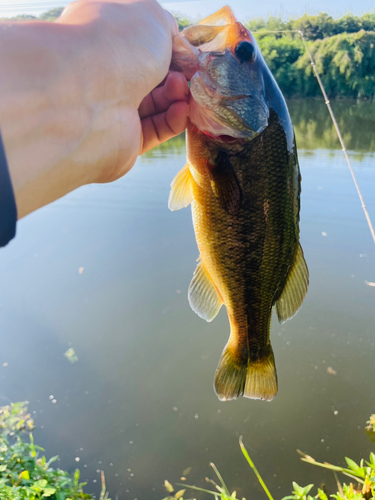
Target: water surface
105, 271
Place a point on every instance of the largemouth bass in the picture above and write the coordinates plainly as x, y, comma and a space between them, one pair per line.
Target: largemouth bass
243, 182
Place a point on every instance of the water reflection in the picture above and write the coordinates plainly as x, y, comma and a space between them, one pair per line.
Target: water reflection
173, 146
105, 271
314, 128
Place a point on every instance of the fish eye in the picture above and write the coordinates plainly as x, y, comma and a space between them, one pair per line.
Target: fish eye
245, 51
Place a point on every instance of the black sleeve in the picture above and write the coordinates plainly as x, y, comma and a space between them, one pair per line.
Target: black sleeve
8, 209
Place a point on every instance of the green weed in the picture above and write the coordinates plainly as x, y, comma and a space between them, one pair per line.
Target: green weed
26, 474
370, 428
363, 475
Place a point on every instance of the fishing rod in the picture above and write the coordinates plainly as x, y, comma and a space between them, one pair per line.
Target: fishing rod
326, 100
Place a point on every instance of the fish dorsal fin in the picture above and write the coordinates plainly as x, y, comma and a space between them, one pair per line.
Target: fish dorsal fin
181, 194
200, 34
225, 183
204, 299
222, 17
295, 289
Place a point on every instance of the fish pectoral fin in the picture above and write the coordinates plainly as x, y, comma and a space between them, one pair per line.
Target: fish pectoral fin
295, 289
225, 183
181, 193
203, 297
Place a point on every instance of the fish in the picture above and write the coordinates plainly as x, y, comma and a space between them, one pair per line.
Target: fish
243, 182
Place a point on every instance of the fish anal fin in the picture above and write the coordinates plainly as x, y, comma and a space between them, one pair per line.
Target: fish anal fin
204, 298
225, 183
239, 376
181, 193
295, 288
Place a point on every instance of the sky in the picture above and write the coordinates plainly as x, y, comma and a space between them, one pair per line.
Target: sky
243, 9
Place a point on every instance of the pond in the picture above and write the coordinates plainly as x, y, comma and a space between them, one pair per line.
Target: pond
105, 271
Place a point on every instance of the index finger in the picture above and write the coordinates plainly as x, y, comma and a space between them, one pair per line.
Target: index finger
174, 89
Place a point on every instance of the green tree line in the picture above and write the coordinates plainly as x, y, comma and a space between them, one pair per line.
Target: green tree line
316, 27
50, 15
344, 51
345, 62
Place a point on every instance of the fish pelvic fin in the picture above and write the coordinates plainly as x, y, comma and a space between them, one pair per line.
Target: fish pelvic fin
238, 376
295, 288
181, 193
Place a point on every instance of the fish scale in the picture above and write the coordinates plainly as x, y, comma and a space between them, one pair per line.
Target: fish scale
242, 248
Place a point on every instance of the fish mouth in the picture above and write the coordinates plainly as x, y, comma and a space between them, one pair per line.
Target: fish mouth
226, 139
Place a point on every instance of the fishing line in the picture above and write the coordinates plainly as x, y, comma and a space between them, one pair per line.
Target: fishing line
326, 100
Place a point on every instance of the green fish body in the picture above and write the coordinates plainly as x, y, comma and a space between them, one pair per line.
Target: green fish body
244, 188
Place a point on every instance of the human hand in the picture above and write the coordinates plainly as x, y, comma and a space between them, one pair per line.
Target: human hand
137, 52
164, 111
81, 98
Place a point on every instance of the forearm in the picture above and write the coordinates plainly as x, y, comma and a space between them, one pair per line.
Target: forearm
70, 94
56, 125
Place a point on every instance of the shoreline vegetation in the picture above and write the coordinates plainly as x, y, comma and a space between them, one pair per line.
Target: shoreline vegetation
363, 474
25, 474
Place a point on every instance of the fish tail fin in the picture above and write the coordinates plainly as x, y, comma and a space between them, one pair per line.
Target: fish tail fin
230, 378
261, 377
239, 376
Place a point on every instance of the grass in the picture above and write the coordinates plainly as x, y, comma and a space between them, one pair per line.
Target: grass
25, 473
363, 475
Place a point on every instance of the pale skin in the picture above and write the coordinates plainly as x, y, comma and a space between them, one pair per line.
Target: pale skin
82, 97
